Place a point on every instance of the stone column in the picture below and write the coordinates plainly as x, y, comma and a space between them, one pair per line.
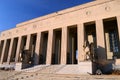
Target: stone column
0, 48
0, 42
10, 51
64, 46
118, 23
81, 53
37, 48
49, 47
18, 49
100, 40
3, 51
27, 42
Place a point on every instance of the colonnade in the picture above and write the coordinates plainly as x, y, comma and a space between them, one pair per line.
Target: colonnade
57, 46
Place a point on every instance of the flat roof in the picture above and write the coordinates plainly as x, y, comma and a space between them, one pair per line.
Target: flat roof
62, 12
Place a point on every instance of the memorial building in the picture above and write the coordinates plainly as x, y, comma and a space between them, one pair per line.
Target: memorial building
59, 38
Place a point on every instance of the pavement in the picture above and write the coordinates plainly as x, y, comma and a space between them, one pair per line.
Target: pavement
13, 75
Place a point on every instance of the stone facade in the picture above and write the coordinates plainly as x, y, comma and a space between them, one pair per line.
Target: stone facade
55, 38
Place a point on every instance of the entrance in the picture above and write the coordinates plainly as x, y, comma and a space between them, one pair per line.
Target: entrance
72, 45
56, 53
6, 50
90, 33
1, 48
43, 47
90, 39
111, 38
32, 48
22, 46
14, 48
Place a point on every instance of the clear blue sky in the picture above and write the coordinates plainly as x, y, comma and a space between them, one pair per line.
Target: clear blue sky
13, 12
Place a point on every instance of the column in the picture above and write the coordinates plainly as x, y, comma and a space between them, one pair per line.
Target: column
64, 46
10, 51
0, 42
18, 49
100, 40
118, 23
37, 48
28, 42
3, 51
49, 47
81, 53
0, 48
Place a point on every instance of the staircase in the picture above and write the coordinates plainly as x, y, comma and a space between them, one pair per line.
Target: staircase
4, 75
44, 71
49, 76
35, 68
36, 72
52, 72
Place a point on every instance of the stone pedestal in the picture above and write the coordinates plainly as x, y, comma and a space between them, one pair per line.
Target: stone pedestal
116, 66
117, 62
86, 67
0, 66
18, 67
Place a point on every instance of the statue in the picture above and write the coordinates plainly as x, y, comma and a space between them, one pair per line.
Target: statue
86, 48
89, 50
92, 52
25, 56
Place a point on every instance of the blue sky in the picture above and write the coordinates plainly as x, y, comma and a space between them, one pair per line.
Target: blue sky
13, 12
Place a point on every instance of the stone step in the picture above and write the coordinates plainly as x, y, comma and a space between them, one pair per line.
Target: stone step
47, 71
69, 77
35, 68
52, 69
54, 72
43, 76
